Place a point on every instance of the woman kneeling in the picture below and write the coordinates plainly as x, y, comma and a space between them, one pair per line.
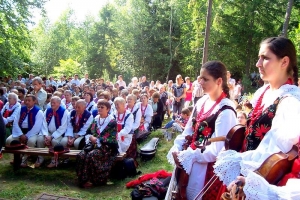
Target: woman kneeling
94, 162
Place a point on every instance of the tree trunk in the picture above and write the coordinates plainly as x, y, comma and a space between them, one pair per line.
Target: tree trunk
287, 18
170, 45
207, 32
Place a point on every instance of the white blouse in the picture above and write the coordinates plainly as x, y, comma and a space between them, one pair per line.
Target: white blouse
284, 133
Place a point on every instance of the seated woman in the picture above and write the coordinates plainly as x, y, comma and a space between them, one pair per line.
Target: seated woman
134, 108
93, 167
88, 97
274, 121
158, 108
215, 116
68, 100
147, 113
9, 111
124, 122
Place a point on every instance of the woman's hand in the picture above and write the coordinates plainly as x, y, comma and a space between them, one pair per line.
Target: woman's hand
93, 139
233, 183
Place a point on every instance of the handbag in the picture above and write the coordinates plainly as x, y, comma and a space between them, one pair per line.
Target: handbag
88, 147
295, 172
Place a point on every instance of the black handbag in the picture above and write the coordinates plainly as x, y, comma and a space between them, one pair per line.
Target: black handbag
88, 147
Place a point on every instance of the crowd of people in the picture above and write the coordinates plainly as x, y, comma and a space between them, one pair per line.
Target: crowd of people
102, 119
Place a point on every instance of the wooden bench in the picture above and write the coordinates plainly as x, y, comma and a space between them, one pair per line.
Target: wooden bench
45, 152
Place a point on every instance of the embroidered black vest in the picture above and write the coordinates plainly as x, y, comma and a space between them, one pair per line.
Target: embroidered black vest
207, 127
260, 127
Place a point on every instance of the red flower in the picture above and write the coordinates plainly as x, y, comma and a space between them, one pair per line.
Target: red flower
270, 115
122, 138
261, 131
206, 131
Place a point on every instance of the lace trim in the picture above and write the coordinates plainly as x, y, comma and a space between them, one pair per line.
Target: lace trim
227, 166
186, 158
257, 188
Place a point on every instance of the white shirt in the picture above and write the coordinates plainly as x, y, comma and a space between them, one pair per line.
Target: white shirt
16, 130
76, 81
82, 131
138, 116
284, 133
51, 128
121, 83
125, 132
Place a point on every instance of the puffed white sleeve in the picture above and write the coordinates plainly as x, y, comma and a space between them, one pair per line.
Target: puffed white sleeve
224, 122
257, 188
137, 120
283, 134
127, 127
148, 114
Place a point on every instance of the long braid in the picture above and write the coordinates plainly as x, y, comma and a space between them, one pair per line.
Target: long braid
226, 89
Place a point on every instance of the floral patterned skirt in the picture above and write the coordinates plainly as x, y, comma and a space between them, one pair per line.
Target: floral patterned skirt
94, 166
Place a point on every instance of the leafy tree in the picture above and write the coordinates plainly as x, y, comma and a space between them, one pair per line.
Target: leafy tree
15, 42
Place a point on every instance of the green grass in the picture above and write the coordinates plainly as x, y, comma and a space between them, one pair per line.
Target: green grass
29, 183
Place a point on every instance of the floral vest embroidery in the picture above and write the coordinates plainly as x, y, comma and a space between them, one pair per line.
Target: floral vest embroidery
108, 135
31, 116
207, 127
261, 126
58, 116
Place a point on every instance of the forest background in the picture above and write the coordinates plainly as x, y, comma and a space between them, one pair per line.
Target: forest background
156, 38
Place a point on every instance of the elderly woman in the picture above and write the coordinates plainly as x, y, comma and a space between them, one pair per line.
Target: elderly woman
94, 164
68, 100
88, 97
158, 107
147, 113
134, 108
124, 122
9, 111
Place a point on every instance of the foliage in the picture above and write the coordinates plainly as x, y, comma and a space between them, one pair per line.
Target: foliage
69, 68
15, 42
156, 38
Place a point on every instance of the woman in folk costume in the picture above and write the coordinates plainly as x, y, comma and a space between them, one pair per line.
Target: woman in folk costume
146, 111
9, 111
93, 167
124, 120
88, 97
68, 100
133, 108
274, 120
213, 116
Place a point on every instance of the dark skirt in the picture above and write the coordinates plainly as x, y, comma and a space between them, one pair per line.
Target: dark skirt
132, 150
95, 165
